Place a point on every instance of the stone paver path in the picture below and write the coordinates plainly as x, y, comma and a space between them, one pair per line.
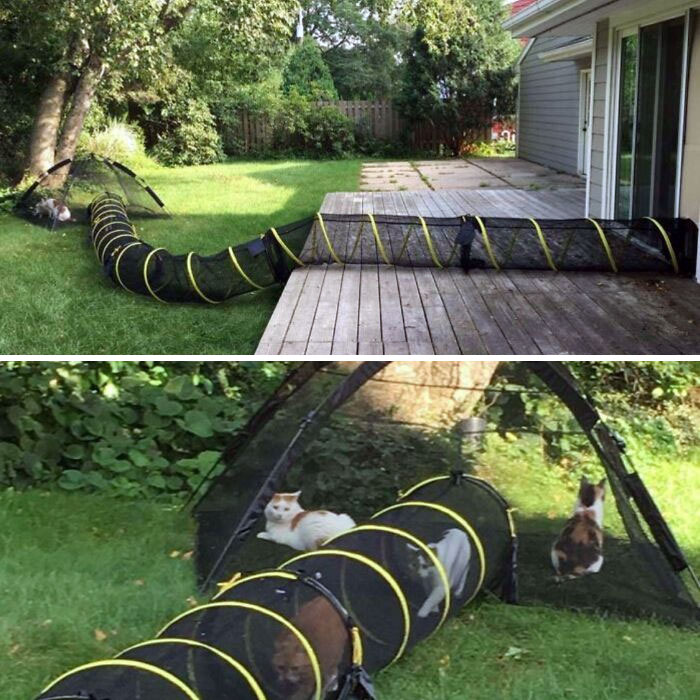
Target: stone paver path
460, 173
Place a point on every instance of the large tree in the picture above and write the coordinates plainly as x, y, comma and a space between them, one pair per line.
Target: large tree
76, 43
461, 85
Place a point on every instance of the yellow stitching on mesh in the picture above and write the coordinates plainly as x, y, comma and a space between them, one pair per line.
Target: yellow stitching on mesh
421, 545
567, 245
357, 649
667, 240
404, 245
116, 265
111, 240
380, 245
237, 580
308, 648
239, 269
381, 571
327, 239
145, 275
487, 243
543, 243
462, 521
511, 246
284, 247
237, 665
511, 523
193, 282
429, 242
604, 241
129, 664
357, 241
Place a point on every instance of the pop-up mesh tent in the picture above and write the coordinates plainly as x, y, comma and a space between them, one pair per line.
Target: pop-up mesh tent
316, 624
77, 181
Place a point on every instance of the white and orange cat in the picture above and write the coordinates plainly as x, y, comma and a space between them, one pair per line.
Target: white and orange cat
288, 523
321, 624
579, 548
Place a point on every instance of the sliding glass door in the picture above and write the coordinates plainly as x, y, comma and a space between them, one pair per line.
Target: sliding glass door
649, 119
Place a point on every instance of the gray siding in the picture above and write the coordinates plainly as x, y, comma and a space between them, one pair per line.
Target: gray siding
600, 78
549, 108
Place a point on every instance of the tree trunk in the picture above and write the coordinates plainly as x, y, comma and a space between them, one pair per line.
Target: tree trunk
427, 392
42, 146
80, 106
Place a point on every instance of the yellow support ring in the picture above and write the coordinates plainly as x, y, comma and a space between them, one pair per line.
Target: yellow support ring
378, 568
228, 585
190, 274
327, 239
380, 245
101, 256
487, 243
116, 265
308, 648
148, 668
145, 275
284, 247
667, 240
604, 241
239, 269
545, 247
429, 242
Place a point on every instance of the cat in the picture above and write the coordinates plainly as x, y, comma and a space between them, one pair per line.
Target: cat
454, 552
55, 209
323, 627
579, 547
288, 523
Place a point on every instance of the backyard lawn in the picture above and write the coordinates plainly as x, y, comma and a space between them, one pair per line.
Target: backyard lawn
54, 298
84, 576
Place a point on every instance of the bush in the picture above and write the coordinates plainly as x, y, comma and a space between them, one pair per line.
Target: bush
307, 73
190, 137
117, 141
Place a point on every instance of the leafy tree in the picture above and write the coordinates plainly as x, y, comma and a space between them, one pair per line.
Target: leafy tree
307, 74
465, 84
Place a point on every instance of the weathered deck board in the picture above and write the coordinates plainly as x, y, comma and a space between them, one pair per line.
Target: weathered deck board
396, 310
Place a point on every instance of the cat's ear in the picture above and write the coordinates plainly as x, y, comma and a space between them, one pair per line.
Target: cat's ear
295, 495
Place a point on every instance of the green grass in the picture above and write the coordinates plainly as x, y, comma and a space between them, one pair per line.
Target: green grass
78, 567
55, 300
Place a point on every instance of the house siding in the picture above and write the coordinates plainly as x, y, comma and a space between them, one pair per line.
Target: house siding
600, 86
549, 108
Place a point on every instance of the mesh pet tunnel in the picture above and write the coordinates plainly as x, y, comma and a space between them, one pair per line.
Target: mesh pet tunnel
316, 626
662, 246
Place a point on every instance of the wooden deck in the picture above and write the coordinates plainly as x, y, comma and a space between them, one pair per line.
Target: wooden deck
394, 310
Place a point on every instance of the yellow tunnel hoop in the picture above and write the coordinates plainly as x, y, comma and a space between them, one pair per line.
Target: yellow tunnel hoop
604, 241
193, 282
145, 275
487, 242
108, 214
543, 243
377, 238
237, 665
285, 248
116, 264
239, 269
148, 668
357, 650
105, 231
101, 256
462, 522
308, 648
667, 240
422, 546
378, 568
429, 242
327, 239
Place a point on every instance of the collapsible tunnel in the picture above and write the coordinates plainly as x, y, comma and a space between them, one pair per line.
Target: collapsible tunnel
664, 246
310, 630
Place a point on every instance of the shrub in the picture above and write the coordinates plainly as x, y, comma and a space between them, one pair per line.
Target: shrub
307, 73
118, 141
190, 136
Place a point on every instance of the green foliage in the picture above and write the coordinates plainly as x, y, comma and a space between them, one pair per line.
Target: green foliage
307, 74
190, 136
117, 140
462, 87
135, 429
492, 149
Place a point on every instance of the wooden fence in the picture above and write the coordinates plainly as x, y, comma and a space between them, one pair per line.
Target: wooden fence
377, 118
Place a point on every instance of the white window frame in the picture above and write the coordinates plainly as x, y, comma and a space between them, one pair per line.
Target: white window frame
584, 105
619, 30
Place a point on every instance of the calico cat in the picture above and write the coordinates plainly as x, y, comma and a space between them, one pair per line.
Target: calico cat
55, 209
454, 553
320, 623
288, 523
579, 548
